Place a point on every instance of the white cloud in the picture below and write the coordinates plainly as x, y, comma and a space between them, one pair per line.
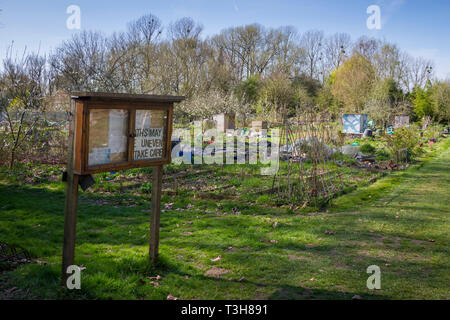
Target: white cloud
235, 7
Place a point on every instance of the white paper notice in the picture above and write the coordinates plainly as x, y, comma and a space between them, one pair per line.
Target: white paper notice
99, 156
108, 138
117, 136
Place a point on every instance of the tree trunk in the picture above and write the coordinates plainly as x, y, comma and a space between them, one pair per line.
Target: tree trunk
11, 162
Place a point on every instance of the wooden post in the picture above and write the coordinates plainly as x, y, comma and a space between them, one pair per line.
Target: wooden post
155, 213
70, 222
70, 208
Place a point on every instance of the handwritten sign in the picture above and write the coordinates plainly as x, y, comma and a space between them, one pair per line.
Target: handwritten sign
149, 135
148, 144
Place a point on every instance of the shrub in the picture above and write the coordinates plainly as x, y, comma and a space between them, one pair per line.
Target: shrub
403, 138
146, 188
382, 155
339, 156
367, 148
432, 132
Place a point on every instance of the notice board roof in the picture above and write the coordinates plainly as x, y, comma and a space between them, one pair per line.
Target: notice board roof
104, 96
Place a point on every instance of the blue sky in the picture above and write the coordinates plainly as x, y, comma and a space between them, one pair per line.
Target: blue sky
420, 27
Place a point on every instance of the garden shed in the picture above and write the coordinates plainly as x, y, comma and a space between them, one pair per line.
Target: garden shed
354, 123
401, 121
259, 125
225, 121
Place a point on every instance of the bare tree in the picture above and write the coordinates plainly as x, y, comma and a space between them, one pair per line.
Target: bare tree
147, 29
419, 70
337, 47
185, 28
80, 62
252, 49
312, 42
387, 62
23, 86
89, 61
129, 64
219, 72
185, 55
141, 46
366, 47
247, 40
291, 58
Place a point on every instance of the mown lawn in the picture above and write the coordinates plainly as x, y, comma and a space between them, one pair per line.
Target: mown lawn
399, 223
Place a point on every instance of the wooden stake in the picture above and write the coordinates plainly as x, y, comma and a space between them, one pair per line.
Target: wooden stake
155, 213
70, 208
70, 222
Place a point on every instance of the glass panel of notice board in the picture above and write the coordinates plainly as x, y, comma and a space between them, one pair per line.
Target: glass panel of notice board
108, 138
150, 134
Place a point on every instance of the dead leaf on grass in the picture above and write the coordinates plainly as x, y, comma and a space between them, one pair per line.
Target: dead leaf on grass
168, 205
216, 272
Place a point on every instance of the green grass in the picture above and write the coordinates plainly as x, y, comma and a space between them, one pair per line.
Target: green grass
388, 223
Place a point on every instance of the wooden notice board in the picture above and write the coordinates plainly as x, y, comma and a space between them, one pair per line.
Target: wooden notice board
109, 132
121, 131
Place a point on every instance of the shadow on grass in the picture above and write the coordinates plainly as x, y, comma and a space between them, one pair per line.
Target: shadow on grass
34, 218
